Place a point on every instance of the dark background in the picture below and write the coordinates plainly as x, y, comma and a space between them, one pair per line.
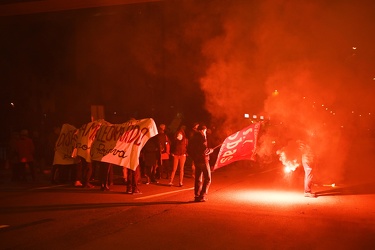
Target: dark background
306, 66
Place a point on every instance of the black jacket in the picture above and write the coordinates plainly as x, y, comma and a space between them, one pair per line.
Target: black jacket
197, 147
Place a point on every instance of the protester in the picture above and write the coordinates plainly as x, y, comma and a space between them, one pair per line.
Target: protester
86, 173
164, 144
23, 150
179, 150
78, 175
13, 157
132, 183
192, 132
307, 160
199, 152
151, 155
104, 175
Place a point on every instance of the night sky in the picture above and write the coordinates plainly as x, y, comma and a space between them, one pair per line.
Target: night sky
308, 66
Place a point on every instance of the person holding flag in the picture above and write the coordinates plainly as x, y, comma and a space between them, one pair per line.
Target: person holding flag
199, 152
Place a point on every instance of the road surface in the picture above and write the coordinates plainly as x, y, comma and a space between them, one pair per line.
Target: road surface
248, 208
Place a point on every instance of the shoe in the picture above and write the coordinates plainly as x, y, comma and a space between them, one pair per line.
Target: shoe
310, 195
78, 184
137, 191
181, 184
105, 189
88, 185
170, 184
147, 183
200, 199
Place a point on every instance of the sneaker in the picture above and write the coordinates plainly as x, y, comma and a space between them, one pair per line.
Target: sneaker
137, 191
310, 195
78, 184
181, 184
200, 199
88, 185
105, 189
170, 184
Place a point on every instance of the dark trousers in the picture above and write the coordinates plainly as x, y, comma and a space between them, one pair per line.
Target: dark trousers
87, 172
163, 167
104, 175
150, 172
19, 171
132, 182
202, 179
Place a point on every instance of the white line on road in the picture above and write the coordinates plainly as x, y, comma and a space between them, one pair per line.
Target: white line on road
49, 187
165, 193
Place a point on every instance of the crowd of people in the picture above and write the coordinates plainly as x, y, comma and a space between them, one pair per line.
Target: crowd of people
162, 157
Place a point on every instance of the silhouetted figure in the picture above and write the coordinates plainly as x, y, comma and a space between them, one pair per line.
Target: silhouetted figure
24, 150
199, 152
104, 175
151, 156
132, 183
307, 159
165, 145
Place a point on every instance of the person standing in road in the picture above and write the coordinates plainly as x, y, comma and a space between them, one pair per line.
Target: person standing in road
104, 175
179, 150
132, 182
24, 151
192, 132
151, 157
164, 149
307, 160
199, 152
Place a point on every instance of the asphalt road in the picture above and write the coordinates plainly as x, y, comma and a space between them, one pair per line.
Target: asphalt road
247, 208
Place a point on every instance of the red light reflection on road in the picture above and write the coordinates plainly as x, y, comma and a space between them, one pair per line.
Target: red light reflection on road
281, 197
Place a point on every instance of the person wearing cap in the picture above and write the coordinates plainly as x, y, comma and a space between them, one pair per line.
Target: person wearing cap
199, 152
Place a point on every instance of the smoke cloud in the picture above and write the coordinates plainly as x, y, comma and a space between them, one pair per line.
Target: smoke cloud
306, 66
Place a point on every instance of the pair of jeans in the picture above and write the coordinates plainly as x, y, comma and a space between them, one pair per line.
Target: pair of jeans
178, 160
308, 174
202, 179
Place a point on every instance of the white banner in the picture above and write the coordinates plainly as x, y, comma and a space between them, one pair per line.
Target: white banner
85, 137
121, 144
64, 146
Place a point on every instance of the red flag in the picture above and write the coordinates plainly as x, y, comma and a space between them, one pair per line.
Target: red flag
238, 146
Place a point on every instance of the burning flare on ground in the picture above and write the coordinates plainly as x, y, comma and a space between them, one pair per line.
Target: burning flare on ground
289, 165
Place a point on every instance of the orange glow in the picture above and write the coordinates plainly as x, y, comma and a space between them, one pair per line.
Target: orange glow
329, 185
271, 197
